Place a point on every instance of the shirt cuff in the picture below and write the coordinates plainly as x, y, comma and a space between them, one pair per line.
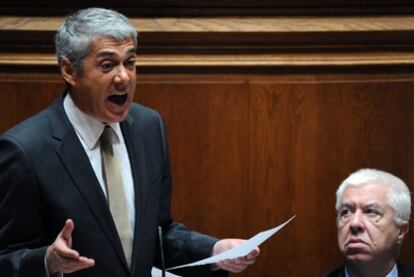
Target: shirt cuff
58, 274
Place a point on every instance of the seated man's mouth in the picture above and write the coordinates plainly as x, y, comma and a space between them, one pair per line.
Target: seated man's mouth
118, 99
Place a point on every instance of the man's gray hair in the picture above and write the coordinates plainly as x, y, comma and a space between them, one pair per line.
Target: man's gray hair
74, 38
398, 197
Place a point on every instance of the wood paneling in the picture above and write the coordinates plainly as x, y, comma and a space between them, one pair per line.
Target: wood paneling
248, 151
265, 117
326, 39
210, 7
267, 147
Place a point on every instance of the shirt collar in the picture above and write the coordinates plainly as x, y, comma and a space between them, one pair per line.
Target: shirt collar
392, 273
88, 129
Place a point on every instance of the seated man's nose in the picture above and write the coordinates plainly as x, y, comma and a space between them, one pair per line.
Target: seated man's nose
357, 223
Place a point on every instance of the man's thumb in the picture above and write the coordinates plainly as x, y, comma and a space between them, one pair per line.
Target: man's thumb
68, 229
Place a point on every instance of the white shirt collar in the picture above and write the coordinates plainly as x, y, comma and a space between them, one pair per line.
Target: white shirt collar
87, 128
392, 273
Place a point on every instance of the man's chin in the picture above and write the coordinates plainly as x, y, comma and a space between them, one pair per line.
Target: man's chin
358, 257
115, 117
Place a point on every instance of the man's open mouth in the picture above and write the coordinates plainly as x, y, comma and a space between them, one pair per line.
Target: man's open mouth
118, 99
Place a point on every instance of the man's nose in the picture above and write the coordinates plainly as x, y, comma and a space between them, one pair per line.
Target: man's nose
121, 76
357, 222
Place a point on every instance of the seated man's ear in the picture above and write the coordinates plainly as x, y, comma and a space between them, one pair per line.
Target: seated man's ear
403, 232
68, 71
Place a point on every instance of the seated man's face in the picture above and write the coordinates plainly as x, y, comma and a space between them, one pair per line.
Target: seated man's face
366, 226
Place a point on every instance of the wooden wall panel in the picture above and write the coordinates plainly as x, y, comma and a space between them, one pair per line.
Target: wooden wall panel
264, 148
250, 151
265, 116
22, 95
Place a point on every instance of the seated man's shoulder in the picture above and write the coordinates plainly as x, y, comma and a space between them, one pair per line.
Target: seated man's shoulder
338, 272
405, 270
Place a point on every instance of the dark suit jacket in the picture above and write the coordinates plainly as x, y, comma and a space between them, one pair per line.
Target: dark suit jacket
403, 271
46, 178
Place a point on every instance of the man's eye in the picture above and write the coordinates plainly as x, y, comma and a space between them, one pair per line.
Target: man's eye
107, 66
345, 212
130, 63
372, 212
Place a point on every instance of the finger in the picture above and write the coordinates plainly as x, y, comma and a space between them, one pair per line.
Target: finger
254, 253
62, 252
67, 253
67, 230
248, 261
242, 261
70, 264
231, 266
79, 264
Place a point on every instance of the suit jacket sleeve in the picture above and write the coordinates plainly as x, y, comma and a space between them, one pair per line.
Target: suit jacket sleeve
181, 245
22, 249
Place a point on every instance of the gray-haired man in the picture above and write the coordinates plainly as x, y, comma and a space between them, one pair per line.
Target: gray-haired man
85, 184
373, 212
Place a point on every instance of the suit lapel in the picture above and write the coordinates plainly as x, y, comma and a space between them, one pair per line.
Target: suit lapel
405, 270
136, 153
76, 162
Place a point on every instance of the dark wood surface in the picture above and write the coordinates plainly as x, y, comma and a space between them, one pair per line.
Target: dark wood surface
210, 7
266, 115
249, 151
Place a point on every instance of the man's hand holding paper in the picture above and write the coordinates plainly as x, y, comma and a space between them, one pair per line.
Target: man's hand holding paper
238, 264
235, 255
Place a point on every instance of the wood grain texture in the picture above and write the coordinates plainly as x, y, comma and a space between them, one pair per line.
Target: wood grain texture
296, 60
232, 35
267, 147
209, 7
232, 24
265, 117
250, 150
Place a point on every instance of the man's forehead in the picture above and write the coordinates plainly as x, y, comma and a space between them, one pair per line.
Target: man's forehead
111, 47
363, 204
112, 52
366, 194
368, 187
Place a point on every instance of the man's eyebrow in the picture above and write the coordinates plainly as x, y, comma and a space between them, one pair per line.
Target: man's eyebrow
344, 206
373, 205
108, 53
347, 204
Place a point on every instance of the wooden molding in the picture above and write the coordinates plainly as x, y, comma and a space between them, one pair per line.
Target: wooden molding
242, 60
333, 41
178, 8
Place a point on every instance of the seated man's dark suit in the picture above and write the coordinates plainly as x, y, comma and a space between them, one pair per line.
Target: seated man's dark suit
46, 178
403, 271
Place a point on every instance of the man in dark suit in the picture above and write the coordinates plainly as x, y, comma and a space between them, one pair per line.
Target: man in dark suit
373, 212
59, 209
402, 271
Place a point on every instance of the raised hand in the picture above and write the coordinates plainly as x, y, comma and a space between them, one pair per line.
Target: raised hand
60, 257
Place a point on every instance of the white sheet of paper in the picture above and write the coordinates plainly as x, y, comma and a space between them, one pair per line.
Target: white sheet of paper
241, 250
156, 272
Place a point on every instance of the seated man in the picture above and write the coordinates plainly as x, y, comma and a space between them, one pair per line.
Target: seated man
373, 210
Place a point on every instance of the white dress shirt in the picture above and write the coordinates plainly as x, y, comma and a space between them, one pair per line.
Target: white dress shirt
89, 131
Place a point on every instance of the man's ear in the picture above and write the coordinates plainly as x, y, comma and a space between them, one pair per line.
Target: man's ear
403, 232
68, 72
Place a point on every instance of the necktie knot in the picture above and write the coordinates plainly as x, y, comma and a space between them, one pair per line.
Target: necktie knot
106, 139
